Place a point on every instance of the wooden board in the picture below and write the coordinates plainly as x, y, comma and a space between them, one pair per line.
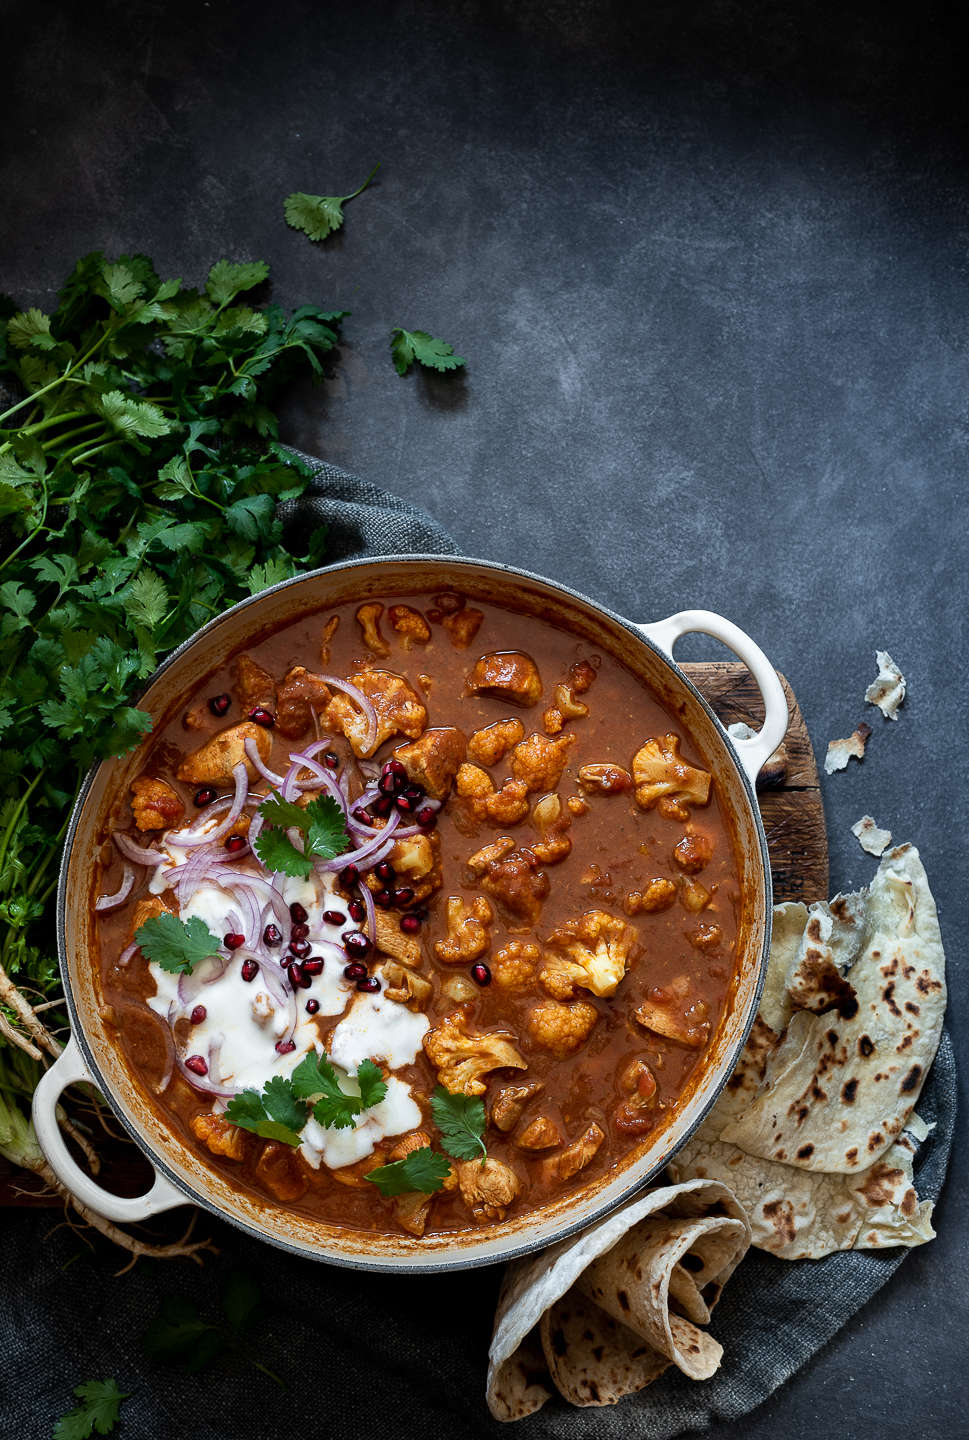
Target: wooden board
793, 819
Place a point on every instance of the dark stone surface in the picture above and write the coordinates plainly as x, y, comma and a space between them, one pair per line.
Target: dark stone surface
707, 263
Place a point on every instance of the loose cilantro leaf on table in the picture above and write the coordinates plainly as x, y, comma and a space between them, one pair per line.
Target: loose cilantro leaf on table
179, 1334
406, 346
322, 825
462, 1121
98, 1411
319, 215
422, 1170
176, 945
315, 1079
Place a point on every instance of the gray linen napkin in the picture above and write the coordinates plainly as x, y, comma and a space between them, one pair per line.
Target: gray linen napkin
365, 1355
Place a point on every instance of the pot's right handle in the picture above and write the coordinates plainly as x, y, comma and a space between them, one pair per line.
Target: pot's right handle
755, 750
68, 1068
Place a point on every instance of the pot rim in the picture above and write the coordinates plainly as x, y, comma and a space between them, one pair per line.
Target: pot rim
407, 1265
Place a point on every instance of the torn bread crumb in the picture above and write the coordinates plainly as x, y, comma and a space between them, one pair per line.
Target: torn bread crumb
841, 751
888, 691
870, 838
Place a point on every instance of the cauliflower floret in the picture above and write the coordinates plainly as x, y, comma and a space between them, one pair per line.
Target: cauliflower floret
507, 675
664, 778
574, 1156
214, 762
506, 1111
541, 1134
539, 761
488, 746
637, 1088
566, 708
562, 1029
599, 946
514, 880
296, 699
659, 895
410, 625
507, 806
220, 1135
461, 1059
488, 1189
552, 821
399, 711
605, 779
417, 861
467, 926
368, 618
664, 1012
514, 966
154, 804
434, 759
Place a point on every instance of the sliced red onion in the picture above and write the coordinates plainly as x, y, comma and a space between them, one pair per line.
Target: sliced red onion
366, 706
134, 852
125, 957
169, 1039
211, 969
379, 845
196, 837
203, 1082
371, 909
370, 769
252, 751
215, 1050
112, 902
274, 980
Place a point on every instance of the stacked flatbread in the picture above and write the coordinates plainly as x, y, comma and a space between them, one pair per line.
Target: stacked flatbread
815, 1131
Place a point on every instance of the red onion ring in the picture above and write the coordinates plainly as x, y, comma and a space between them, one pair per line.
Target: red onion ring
112, 902
131, 851
169, 1039
195, 837
125, 957
190, 986
371, 909
202, 1082
252, 751
362, 700
373, 851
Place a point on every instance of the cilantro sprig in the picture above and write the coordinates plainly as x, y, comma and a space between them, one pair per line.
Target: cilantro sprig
319, 215
322, 826
176, 945
276, 1114
462, 1121
406, 346
423, 1170
284, 1106
98, 1410
179, 1335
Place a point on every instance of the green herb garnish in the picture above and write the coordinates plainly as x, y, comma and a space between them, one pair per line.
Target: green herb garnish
276, 1114
406, 346
315, 1079
319, 215
178, 1333
462, 1121
176, 945
422, 1170
323, 827
100, 1402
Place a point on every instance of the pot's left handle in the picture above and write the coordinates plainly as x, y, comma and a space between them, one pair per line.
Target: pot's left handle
68, 1068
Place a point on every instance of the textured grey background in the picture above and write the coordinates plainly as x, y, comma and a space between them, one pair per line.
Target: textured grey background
708, 264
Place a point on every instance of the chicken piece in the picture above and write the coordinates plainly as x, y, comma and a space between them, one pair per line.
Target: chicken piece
467, 926
552, 821
566, 708
220, 1135
434, 759
514, 967
488, 746
154, 804
506, 806
214, 762
581, 676
368, 618
355, 1176
694, 852
399, 712
253, 685
516, 882
410, 625
575, 1156
149, 908
462, 627
402, 985
458, 990
638, 1096
412, 1209
296, 699
539, 761
508, 1104
488, 1189
694, 896
662, 775
604, 779
541, 1134
659, 895
562, 1029
277, 1169
461, 1059
595, 949
417, 861
392, 941
507, 675
665, 1012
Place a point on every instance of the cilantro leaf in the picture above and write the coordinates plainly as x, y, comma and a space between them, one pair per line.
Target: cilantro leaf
322, 824
146, 599
422, 1170
280, 1101
319, 215
101, 1400
179, 1334
315, 1080
284, 813
280, 856
133, 417
176, 945
227, 280
175, 1330
461, 1120
31, 327
249, 1112
373, 1087
406, 346
327, 835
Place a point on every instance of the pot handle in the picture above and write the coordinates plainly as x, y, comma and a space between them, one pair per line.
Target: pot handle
754, 751
69, 1067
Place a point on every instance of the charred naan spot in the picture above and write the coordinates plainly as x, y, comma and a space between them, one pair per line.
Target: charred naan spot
910, 1203
881, 1076
623, 1299
911, 1080
875, 1142
849, 1090
866, 1046
818, 1094
852, 1155
803, 1114
805, 1152
832, 1038
908, 971
888, 995
843, 1219
876, 954
558, 1343
880, 1185
891, 969
848, 1008
780, 1215
780, 1154
912, 1008
814, 929
598, 1351
925, 986
841, 911
906, 1041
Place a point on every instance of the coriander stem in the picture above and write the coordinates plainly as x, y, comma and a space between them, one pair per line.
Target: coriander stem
60, 379
364, 185
15, 817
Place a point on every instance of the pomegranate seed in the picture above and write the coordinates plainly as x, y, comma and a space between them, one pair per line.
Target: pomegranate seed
262, 717
285, 1047
199, 1014
357, 911
480, 974
385, 872
297, 979
403, 897
249, 970
371, 985
384, 898
420, 913
236, 842
388, 784
355, 943
299, 948
219, 704
382, 806
434, 615
313, 967
356, 971
204, 797
297, 914
300, 932
197, 1065
394, 767
331, 760
407, 802
312, 1006
272, 935
349, 876
233, 941
337, 917
361, 816
426, 818
410, 924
